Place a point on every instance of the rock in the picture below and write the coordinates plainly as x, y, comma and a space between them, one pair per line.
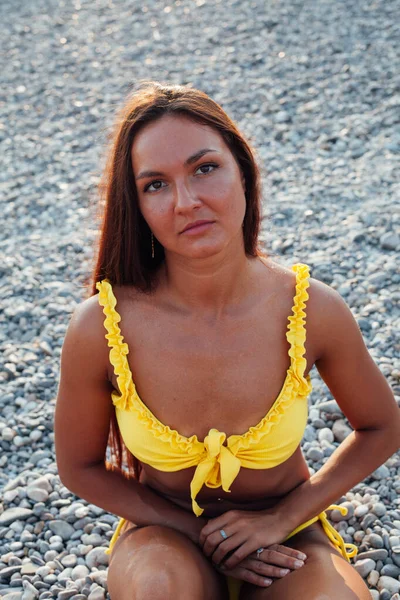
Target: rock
69, 560
391, 571
97, 594
14, 514
79, 572
373, 578
375, 540
28, 569
388, 583
8, 572
360, 511
379, 554
37, 494
389, 241
64, 530
326, 434
379, 509
315, 454
96, 557
364, 567
93, 539
381, 472
67, 594
341, 430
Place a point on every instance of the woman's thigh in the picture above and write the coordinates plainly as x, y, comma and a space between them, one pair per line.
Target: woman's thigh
326, 575
159, 562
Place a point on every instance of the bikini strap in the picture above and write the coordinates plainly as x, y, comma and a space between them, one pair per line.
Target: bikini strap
118, 348
296, 331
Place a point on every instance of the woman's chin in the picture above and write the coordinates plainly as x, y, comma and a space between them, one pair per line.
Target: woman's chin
203, 252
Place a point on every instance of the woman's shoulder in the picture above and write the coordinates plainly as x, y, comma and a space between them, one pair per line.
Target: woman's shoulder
321, 300
87, 320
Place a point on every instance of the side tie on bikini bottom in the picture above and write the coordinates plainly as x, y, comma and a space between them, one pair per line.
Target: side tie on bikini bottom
331, 532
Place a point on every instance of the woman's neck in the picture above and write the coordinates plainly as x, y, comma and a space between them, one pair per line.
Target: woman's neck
208, 286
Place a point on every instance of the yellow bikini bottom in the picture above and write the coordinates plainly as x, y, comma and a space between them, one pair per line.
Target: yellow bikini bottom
234, 585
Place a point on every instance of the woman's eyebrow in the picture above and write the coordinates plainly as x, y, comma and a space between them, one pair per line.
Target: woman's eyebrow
188, 161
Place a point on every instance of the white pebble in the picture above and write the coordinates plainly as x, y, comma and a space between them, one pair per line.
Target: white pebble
326, 434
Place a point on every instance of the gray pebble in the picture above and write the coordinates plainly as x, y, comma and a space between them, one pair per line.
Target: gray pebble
381, 472
379, 509
361, 510
64, 530
364, 566
66, 594
388, 583
97, 594
314, 454
391, 571
373, 578
375, 540
78, 572
69, 560
341, 430
378, 554
97, 557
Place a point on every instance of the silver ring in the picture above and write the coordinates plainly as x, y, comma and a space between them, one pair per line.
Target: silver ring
222, 532
259, 552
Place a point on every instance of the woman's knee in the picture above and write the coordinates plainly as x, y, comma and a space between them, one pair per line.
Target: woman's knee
159, 562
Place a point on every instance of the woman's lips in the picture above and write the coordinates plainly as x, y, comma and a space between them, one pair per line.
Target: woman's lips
198, 228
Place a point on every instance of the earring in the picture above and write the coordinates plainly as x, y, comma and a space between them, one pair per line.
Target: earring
152, 245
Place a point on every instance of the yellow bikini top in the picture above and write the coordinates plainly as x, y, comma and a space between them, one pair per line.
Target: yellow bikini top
265, 445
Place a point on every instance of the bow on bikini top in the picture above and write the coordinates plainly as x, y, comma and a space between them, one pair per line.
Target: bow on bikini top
265, 445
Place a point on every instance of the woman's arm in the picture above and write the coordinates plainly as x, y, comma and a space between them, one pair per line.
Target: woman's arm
82, 418
131, 500
367, 401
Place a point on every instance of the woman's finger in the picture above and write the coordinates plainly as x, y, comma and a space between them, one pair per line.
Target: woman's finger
289, 551
247, 575
225, 548
278, 558
265, 569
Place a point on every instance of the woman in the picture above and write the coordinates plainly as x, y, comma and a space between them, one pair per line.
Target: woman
206, 471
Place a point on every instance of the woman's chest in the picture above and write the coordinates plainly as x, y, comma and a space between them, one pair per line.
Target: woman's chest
194, 375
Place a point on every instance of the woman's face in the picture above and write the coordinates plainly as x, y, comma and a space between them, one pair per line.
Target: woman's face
180, 188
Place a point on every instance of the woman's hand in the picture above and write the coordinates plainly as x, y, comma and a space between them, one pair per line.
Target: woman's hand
246, 530
275, 561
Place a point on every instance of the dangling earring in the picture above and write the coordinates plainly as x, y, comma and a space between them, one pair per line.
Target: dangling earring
152, 245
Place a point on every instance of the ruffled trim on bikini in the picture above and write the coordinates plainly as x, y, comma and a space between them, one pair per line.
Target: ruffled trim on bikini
119, 349
289, 394
164, 432
296, 332
129, 399
295, 384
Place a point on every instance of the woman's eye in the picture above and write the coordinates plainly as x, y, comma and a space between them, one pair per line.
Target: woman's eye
208, 165
215, 166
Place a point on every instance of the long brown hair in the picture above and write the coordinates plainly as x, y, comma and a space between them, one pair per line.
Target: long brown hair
124, 243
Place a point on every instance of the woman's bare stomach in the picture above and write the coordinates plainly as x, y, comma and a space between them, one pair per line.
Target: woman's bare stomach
253, 489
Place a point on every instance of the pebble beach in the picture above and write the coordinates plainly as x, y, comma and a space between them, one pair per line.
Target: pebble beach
314, 85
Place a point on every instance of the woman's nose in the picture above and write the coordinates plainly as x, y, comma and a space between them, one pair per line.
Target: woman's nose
185, 197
